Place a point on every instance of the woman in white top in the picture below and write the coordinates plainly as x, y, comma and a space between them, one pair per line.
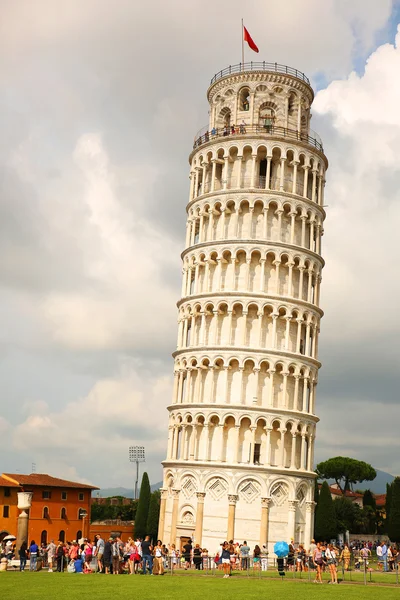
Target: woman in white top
158, 563
331, 558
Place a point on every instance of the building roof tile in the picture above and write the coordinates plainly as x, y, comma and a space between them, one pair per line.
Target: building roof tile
42, 479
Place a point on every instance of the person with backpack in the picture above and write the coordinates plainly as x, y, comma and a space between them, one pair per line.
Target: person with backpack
117, 554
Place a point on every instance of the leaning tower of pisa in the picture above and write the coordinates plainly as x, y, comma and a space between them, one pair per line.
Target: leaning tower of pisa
242, 420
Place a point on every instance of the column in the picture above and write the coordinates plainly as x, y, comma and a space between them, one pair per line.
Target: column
299, 116
196, 279
188, 385
174, 519
318, 240
196, 182
170, 441
185, 332
265, 223
191, 177
239, 172
279, 213
214, 167
175, 390
225, 179
201, 228
281, 459
198, 533
271, 387
306, 169
192, 442
293, 456
296, 392
274, 321
236, 444
203, 186
282, 180
301, 277
175, 444
303, 451
232, 499
236, 221
211, 224
265, 502
287, 332
290, 281
303, 230
294, 184
161, 521
252, 227
309, 453
312, 224
221, 225
276, 263
268, 175
292, 226
218, 273
307, 344
230, 316
252, 444
180, 385
260, 316
253, 170
298, 340
233, 274
225, 384
183, 443
285, 375
184, 281
291, 530
203, 446
187, 240
193, 231
309, 533
262, 275
310, 274
196, 399
206, 280
244, 329
268, 444
314, 184
305, 390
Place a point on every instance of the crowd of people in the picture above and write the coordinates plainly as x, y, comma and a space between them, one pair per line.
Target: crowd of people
113, 556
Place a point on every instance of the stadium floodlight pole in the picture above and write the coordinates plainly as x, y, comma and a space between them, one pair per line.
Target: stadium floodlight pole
136, 455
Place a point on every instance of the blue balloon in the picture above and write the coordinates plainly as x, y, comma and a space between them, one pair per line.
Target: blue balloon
281, 549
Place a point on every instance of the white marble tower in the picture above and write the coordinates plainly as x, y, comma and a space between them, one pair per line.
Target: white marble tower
242, 420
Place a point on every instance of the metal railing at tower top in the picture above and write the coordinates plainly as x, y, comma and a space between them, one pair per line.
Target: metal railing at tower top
204, 135
260, 66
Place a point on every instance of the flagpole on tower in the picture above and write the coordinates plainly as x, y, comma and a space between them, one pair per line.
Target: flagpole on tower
242, 47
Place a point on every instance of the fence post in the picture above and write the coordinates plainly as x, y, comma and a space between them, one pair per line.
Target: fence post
397, 573
365, 571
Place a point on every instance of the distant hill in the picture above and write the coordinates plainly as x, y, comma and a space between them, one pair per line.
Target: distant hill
377, 486
121, 491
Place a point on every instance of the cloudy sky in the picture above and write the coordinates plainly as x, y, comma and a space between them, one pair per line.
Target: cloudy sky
99, 103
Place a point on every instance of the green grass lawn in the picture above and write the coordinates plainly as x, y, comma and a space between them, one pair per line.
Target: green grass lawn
65, 586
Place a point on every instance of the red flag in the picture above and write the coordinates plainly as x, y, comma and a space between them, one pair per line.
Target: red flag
247, 38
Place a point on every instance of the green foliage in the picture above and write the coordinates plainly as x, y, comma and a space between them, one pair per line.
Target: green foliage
345, 471
143, 507
394, 519
389, 492
369, 500
154, 515
325, 519
103, 512
345, 514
